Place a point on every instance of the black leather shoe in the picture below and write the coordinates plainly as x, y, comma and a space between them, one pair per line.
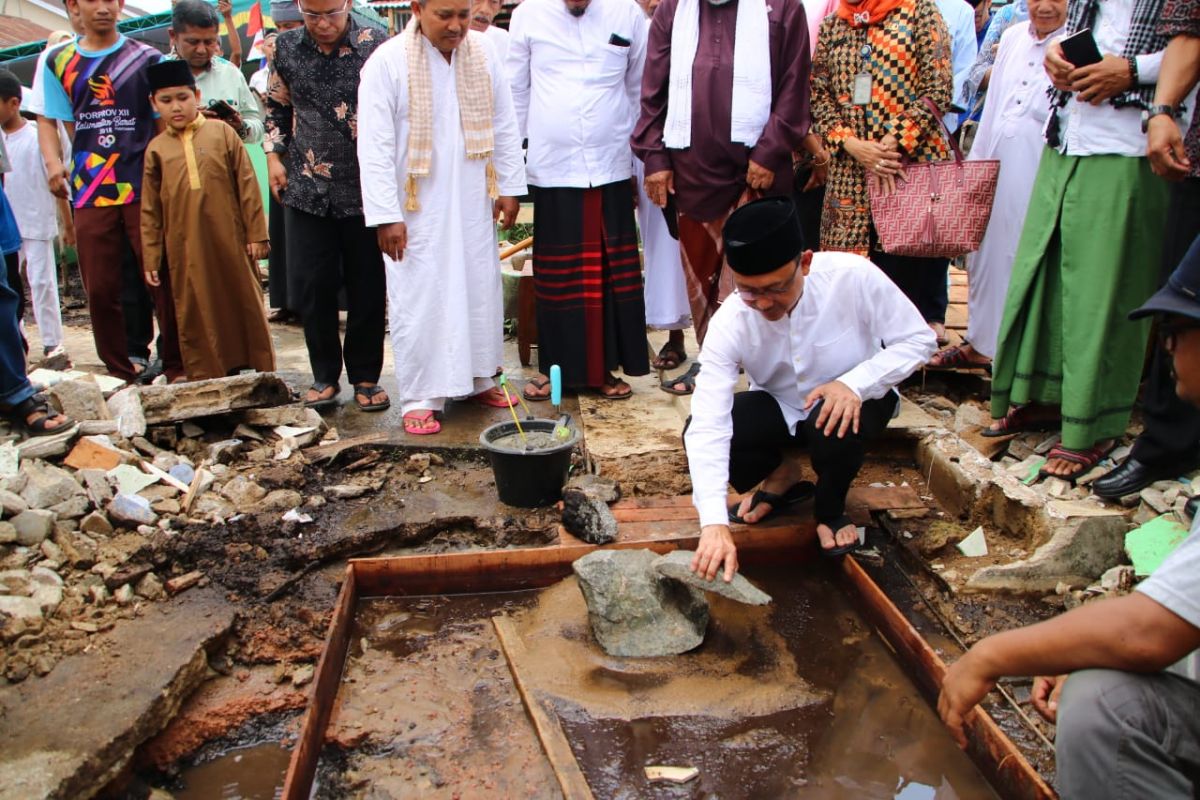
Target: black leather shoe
1133, 476
1192, 507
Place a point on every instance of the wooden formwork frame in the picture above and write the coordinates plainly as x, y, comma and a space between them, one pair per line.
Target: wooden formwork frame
660, 528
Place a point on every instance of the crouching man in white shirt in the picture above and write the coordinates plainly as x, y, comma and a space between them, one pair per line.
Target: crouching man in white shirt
824, 338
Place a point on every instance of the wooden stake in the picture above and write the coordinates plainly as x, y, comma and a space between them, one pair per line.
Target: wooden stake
516, 248
549, 731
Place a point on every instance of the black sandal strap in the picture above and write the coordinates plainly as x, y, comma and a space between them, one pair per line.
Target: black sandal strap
835, 525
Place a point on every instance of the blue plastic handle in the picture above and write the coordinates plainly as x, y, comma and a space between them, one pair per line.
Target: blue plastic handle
555, 385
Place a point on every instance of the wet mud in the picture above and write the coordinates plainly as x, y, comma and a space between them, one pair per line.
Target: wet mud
797, 699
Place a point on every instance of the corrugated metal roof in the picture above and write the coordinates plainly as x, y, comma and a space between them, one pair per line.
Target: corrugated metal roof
14, 30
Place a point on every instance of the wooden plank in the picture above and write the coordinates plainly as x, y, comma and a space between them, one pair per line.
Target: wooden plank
1013, 777
674, 501
549, 730
331, 451
302, 768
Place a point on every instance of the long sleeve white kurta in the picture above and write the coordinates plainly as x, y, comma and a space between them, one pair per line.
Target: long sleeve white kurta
444, 295
1009, 130
851, 325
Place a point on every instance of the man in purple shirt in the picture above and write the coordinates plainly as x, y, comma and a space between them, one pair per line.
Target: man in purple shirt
708, 149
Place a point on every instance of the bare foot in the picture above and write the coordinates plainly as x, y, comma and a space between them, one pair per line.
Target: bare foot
537, 388
784, 477
846, 535
313, 396
1062, 467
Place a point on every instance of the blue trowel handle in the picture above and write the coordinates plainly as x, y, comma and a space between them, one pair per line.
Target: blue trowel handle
555, 385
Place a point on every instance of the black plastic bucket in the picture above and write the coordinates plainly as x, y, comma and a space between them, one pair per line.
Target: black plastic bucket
532, 479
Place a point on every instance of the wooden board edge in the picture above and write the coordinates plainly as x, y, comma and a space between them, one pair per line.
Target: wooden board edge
994, 754
302, 767
549, 730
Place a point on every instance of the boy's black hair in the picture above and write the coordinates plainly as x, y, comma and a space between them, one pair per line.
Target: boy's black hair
10, 87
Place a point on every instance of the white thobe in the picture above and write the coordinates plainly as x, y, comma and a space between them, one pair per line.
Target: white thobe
1010, 130
444, 295
851, 324
964, 46
499, 38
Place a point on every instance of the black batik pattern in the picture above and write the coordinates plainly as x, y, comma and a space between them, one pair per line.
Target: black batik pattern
312, 119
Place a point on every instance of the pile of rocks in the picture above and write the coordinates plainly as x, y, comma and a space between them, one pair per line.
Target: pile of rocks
78, 538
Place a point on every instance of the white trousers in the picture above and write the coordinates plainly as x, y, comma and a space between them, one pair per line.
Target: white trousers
439, 403
42, 274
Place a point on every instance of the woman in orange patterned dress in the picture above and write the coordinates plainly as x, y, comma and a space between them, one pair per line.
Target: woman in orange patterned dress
875, 62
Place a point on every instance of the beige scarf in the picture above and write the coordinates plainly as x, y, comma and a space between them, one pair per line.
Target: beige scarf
473, 81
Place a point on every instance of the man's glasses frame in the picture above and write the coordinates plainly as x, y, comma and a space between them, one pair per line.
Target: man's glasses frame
328, 16
771, 291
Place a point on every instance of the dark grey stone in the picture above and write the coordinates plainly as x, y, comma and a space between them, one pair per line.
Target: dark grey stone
606, 490
677, 565
588, 518
634, 611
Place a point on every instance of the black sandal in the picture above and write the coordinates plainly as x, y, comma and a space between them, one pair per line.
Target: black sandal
36, 404
323, 402
798, 493
539, 384
688, 379
369, 391
838, 550
669, 356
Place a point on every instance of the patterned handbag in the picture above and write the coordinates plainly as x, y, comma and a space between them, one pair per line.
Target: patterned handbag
940, 209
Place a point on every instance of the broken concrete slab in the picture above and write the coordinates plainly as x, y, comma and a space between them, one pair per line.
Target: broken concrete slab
1079, 552
79, 400
12, 503
126, 408
293, 415
49, 446
47, 485
33, 526
80, 725
677, 566
634, 611
183, 401
606, 490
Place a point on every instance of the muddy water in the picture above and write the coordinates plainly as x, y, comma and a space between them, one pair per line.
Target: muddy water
247, 773
797, 699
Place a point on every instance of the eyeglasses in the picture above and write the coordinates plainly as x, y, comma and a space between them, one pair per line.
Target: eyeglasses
778, 290
328, 16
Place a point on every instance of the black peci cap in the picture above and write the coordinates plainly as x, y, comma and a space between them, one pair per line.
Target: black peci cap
762, 236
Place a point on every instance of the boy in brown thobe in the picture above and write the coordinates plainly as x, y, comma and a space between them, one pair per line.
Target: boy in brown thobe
201, 206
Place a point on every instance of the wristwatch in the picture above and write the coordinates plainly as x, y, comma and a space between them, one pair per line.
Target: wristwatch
1155, 111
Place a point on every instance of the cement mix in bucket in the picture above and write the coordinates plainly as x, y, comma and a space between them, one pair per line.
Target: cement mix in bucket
796, 699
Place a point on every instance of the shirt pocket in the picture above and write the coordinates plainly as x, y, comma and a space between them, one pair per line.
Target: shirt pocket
833, 357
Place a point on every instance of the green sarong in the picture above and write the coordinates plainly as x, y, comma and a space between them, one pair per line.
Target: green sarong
1088, 255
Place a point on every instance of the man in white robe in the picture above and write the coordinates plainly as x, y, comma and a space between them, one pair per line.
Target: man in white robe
434, 189
483, 20
1010, 130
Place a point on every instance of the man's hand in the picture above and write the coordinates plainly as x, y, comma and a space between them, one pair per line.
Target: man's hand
258, 250
963, 686
152, 278
840, 410
716, 548
659, 185
506, 209
759, 177
1045, 694
1058, 69
277, 177
393, 238
68, 234
234, 121
58, 182
1098, 82
1164, 146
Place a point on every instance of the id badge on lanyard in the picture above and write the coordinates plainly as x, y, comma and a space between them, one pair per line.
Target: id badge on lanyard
860, 95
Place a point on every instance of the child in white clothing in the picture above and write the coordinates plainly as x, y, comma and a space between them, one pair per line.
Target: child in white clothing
36, 211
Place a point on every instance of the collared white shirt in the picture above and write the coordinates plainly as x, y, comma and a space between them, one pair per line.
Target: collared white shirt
1104, 129
851, 324
499, 38
576, 84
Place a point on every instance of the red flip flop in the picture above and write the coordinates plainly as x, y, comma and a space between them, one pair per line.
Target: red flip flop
421, 416
493, 398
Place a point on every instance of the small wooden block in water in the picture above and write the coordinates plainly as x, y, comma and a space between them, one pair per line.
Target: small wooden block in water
672, 774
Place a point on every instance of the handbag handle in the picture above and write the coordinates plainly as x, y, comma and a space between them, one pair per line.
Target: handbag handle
933, 109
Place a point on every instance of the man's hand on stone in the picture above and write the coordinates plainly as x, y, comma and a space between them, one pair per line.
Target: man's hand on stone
759, 177
1058, 69
840, 408
506, 209
1164, 146
393, 239
659, 185
715, 548
1045, 694
1101, 81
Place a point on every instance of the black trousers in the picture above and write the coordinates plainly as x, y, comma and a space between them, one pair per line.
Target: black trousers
137, 307
315, 245
760, 436
277, 273
923, 280
1172, 432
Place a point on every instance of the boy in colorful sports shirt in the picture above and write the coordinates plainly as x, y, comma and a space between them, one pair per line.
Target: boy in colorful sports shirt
97, 86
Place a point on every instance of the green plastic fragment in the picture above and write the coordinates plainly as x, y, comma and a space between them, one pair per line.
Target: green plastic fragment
1149, 544
1035, 471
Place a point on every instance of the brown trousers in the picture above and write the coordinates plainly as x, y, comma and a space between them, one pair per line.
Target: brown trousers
101, 233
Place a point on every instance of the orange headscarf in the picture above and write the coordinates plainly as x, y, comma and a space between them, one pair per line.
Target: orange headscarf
867, 12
